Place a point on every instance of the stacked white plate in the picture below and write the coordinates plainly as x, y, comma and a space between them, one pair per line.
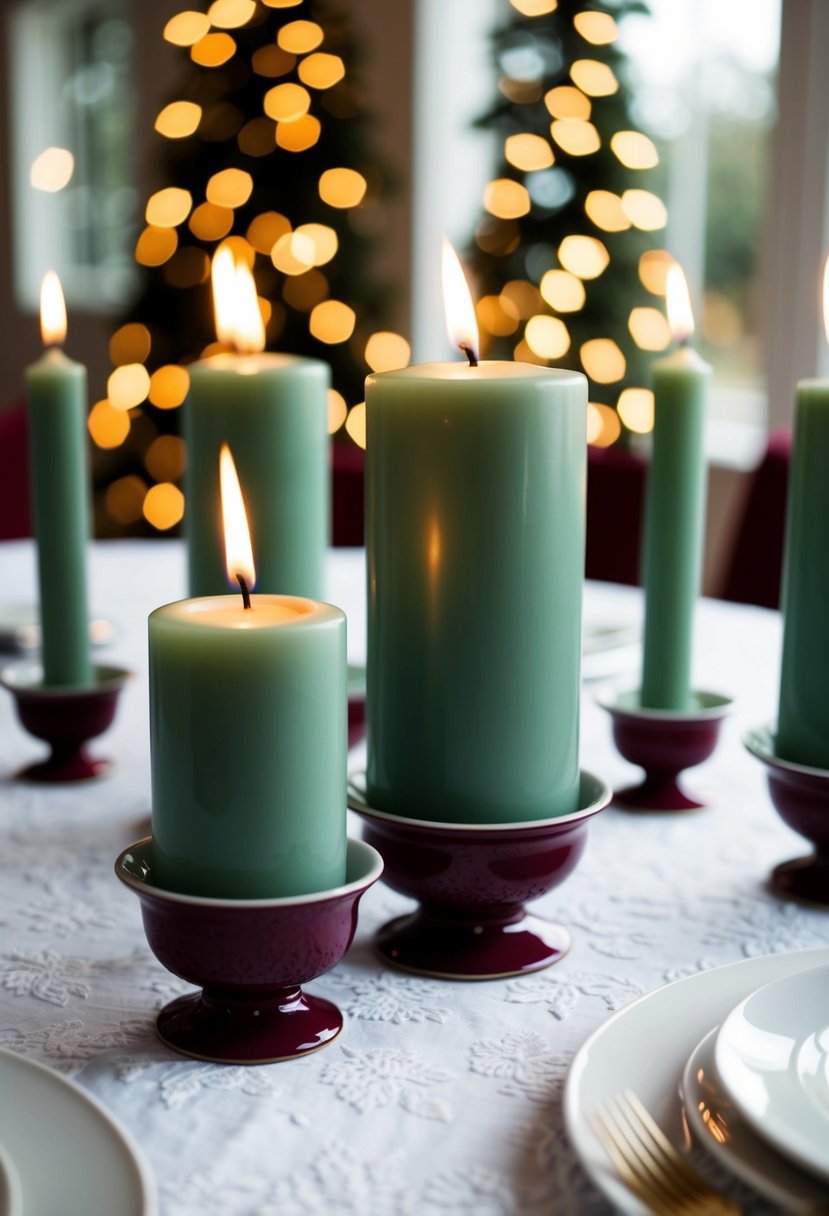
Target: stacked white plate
738, 1055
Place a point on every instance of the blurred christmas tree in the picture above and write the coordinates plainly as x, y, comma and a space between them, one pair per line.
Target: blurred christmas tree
563, 261
265, 147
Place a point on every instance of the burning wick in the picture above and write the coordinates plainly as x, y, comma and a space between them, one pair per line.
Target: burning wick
470, 354
243, 587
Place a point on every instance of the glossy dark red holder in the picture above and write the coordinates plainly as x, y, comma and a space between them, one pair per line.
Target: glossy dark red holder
471, 882
250, 958
65, 718
800, 796
664, 743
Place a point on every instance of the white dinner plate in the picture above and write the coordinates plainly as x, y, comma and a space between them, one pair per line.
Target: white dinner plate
68, 1152
644, 1047
772, 1055
11, 1196
721, 1129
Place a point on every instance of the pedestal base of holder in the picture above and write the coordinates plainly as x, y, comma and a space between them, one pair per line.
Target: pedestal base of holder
427, 944
664, 743
258, 1029
805, 879
65, 718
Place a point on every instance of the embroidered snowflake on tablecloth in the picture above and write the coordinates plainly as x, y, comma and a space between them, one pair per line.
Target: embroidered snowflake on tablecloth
64, 920
68, 1046
383, 1076
562, 993
524, 1062
53, 977
389, 997
768, 927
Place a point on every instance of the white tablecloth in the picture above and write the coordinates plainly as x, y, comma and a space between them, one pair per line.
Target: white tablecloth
438, 1098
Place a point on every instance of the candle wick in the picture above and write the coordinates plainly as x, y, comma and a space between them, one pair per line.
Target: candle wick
244, 589
470, 354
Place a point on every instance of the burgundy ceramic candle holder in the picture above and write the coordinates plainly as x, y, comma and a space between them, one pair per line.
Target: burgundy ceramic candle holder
249, 957
664, 743
65, 718
801, 798
471, 881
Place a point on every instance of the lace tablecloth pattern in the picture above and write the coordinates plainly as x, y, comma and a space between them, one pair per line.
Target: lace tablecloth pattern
438, 1098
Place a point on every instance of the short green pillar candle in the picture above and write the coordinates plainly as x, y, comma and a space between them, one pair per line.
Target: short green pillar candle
674, 523
248, 735
475, 536
57, 397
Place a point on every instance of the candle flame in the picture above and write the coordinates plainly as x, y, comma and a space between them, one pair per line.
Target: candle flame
826, 299
457, 301
680, 315
52, 310
235, 303
238, 549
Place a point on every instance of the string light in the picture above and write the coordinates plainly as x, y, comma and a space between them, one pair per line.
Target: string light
584, 256
602, 360
355, 424
186, 28
547, 336
568, 102
649, 328
635, 407
603, 426
575, 136
52, 170
563, 291
506, 199
528, 152
337, 411
179, 119
213, 50
634, 150
598, 28
300, 37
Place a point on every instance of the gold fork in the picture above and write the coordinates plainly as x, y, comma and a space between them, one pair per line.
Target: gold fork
650, 1166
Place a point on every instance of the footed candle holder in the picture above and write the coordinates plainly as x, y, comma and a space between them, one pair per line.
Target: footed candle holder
65, 718
664, 743
472, 881
250, 957
800, 796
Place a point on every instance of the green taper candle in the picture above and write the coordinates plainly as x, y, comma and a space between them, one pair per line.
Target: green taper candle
674, 519
57, 395
273, 412
248, 736
803, 718
475, 493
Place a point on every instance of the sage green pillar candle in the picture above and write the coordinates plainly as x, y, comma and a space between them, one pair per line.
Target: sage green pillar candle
273, 412
475, 483
674, 528
248, 738
57, 402
803, 717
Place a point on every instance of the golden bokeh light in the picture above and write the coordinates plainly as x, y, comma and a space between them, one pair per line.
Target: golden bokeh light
213, 50
304, 291
342, 187
593, 78
298, 136
568, 102
124, 499
130, 344
649, 328
266, 229
634, 150
210, 223
163, 506
598, 28
179, 119
52, 170
168, 208
272, 61
575, 136
506, 199
520, 298
186, 28
229, 188
522, 92
644, 210
563, 291
528, 152
606, 211
386, 351
321, 71
547, 336
653, 270
293, 254
300, 37
257, 137
524, 353
635, 406
494, 318
128, 386
108, 427
155, 246
323, 239
602, 360
535, 8
231, 14
169, 386
332, 321
286, 102
355, 424
584, 256
603, 426
337, 411
164, 459
281, 3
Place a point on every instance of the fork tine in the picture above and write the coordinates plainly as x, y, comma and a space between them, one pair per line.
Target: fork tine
630, 1168
684, 1181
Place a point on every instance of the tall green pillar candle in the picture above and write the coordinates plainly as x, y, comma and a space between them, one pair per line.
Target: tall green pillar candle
57, 396
674, 522
803, 717
475, 484
248, 737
